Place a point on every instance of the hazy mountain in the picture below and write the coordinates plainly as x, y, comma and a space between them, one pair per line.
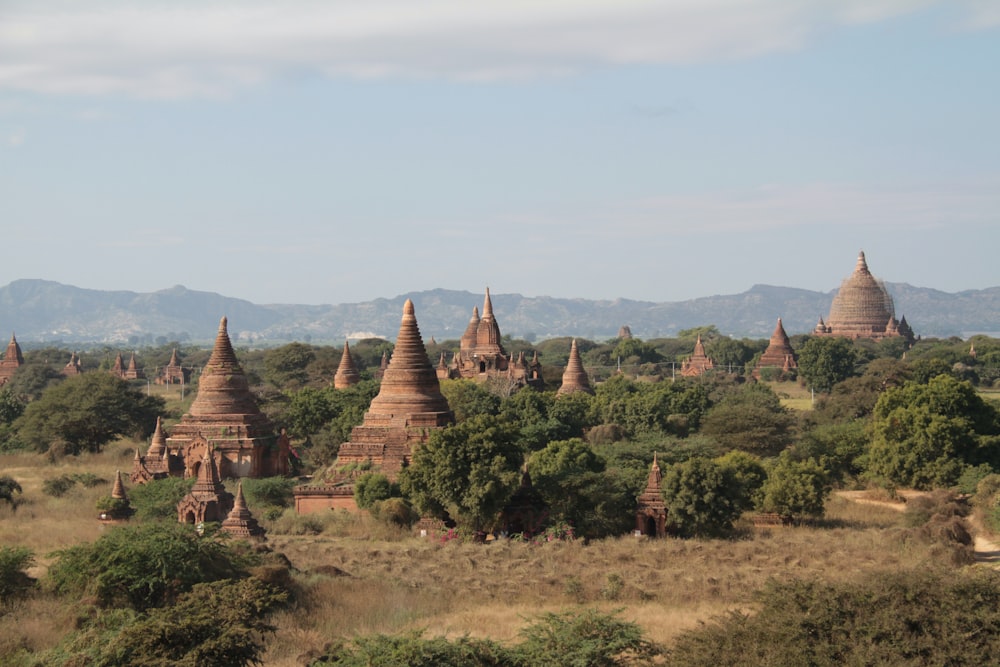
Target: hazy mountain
46, 311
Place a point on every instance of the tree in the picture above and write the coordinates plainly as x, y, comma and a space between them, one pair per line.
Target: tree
11, 406
8, 487
826, 360
747, 474
924, 435
467, 471
86, 412
752, 419
468, 398
795, 488
701, 497
590, 637
286, 366
370, 488
14, 579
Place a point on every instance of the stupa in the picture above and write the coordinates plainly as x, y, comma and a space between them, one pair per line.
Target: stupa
347, 374
863, 308
240, 522
778, 355
574, 378
12, 360
73, 367
698, 363
118, 369
133, 372
225, 416
408, 407
121, 508
156, 463
651, 511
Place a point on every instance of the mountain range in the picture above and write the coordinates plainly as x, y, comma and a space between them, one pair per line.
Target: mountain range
47, 312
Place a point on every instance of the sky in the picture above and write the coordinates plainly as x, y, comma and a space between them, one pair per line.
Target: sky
340, 151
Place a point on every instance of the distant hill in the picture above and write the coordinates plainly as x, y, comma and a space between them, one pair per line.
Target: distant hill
43, 311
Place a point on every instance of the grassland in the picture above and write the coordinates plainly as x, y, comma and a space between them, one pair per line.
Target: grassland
354, 575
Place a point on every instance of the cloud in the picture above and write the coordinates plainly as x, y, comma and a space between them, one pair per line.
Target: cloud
182, 49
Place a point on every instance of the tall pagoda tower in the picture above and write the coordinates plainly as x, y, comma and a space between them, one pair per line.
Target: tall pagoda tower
12, 360
347, 374
574, 378
224, 417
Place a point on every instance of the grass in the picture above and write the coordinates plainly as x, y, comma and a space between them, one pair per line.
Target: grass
354, 575
793, 395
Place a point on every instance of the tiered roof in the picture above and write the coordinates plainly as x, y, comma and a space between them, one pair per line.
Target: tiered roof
779, 353
699, 361
208, 500
651, 511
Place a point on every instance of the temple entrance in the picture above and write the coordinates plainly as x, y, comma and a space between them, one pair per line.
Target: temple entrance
190, 518
651, 526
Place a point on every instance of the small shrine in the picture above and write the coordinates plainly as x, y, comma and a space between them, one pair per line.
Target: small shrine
698, 363
526, 512
574, 378
651, 511
119, 509
12, 360
347, 374
133, 372
73, 367
208, 500
156, 463
173, 372
778, 359
240, 523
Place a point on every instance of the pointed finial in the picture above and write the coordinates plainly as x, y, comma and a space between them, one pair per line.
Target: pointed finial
408, 307
223, 324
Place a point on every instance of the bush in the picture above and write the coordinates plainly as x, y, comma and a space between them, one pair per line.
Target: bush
57, 487
269, 491
13, 578
589, 637
370, 488
158, 499
907, 618
8, 487
143, 566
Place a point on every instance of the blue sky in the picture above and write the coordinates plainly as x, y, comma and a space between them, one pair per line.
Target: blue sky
331, 152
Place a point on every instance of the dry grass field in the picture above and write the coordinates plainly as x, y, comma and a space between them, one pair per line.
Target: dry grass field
354, 575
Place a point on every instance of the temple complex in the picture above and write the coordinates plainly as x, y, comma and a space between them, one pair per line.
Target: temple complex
208, 500
778, 355
698, 363
73, 367
156, 463
347, 374
408, 407
239, 522
574, 378
12, 360
481, 354
863, 308
224, 417
173, 372
651, 511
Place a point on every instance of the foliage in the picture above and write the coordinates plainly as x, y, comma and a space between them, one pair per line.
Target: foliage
325, 417
86, 412
59, 486
157, 499
8, 487
468, 471
795, 488
112, 505
747, 474
838, 447
751, 419
11, 406
217, 624
468, 398
14, 580
906, 618
31, 380
286, 366
825, 361
924, 435
269, 491
370, 488
143, 566
412, 650
702, 498
587, 638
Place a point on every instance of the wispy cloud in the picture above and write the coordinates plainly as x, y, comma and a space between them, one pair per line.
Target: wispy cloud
180, 49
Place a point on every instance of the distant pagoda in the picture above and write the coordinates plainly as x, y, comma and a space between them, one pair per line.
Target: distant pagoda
863, 308
574, 378
779, 355
698, 363
347, 374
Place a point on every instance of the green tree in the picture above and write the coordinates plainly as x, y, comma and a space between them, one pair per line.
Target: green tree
795, 488
752, 419
370, 488
14, 579
143, 566
702, 498
924, 435
468, 471
825, 361
286, 366
588, 638
468, 398
11, 406
86, 412
8, 487
747, 474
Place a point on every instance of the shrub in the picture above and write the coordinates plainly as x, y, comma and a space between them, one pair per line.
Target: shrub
57, 487
588, 637
143, 566
13, 578
395, 511
370, 488
8, 487
158, 499
412, 650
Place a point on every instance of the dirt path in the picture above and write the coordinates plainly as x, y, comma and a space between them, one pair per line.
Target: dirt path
987, 549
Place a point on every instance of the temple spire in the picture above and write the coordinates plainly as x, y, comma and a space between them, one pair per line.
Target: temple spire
574, 377
347, 374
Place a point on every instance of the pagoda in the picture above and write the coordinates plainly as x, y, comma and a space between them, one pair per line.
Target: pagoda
156, 463
12, 360
225, 416
208, 500
779, 355
651, 511
73, 367
574, 378
118, 369
698, 363
239, 522
120, 509
347, 374
133, 372
173, 372
863, 308
408, 407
